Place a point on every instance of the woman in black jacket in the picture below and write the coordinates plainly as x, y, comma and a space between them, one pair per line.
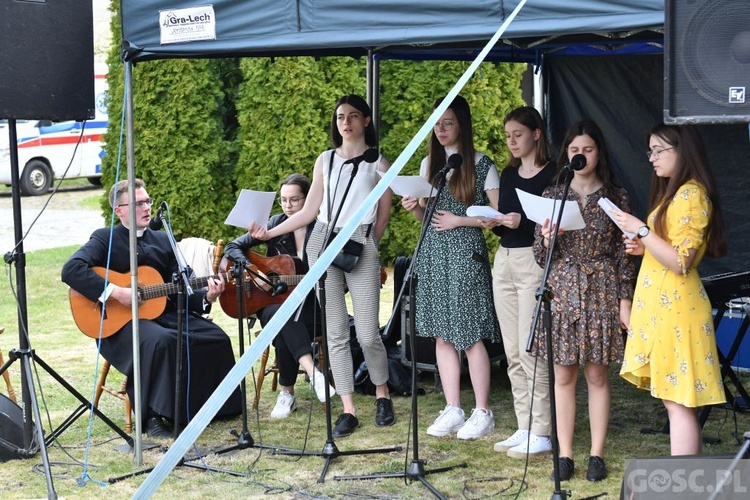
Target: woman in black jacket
294, 342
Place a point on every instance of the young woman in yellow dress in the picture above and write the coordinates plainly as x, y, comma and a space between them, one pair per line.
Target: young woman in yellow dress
671, 347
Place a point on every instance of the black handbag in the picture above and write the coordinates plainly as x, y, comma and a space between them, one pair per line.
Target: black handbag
347, 258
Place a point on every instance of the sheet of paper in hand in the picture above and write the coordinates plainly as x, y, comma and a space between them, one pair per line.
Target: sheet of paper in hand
607, 205
538, 208
482, 212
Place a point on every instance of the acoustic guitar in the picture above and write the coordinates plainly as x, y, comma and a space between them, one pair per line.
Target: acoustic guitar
278, 269
152, 295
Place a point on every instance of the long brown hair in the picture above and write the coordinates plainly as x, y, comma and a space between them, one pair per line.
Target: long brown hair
530, 118
464, 178
603, 167
692, 164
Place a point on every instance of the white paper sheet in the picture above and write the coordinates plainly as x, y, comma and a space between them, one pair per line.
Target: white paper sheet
607, 205
410, 185
251, 206
538, 208
482, 212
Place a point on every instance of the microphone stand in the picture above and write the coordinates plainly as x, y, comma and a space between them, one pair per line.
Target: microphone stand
182, 280
543, 299
330, 450
244, 438
416, 469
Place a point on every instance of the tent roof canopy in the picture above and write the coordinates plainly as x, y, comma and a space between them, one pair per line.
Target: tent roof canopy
355, 27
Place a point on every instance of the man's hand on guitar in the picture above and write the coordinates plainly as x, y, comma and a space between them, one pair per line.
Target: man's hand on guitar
215, 287
122, 295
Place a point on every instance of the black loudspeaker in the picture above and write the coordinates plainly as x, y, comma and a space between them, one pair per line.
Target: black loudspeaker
47, 59
706, 61
11, 429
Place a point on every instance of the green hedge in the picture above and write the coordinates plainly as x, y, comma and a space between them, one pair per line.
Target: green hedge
204, 129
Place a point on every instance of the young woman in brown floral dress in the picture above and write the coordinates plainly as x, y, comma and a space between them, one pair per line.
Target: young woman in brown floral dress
592, 280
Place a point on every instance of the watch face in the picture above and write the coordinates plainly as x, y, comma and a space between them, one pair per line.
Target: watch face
643, 231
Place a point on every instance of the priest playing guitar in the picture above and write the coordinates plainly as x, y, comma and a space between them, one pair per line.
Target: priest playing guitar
293, 343
209, 348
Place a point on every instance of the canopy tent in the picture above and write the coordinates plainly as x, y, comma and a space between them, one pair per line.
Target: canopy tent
338, 27
419, 29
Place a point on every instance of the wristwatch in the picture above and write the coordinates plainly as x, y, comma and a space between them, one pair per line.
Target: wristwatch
643, 231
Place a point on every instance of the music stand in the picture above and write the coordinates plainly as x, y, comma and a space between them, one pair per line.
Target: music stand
544, 299
330, 450
416, 469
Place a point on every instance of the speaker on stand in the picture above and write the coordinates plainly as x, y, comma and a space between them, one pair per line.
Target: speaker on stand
706, 61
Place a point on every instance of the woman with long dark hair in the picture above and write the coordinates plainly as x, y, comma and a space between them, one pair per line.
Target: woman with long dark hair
352, 133
516, 277
671, 349
591, 284
454, 283
294, 342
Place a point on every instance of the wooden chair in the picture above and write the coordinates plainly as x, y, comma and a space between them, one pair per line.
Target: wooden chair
273, 370
215, 252
6, 376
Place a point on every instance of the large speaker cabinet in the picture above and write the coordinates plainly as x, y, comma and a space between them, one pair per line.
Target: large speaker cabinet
706, 61
46, 59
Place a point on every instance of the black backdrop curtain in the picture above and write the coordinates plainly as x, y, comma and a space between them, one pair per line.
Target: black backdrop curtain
624, 96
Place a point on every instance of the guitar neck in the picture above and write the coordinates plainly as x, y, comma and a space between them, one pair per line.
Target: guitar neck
289, 279
164, 289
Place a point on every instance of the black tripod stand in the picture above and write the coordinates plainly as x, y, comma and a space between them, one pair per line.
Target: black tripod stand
416, 469
33, 435
543, 298
330, 450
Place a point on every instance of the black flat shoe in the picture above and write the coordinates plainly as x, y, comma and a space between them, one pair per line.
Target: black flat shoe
157, 429
566, 467
597, 469
345, 425
384, 415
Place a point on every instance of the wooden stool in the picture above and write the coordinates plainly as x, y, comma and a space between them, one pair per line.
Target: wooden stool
6, 376
120, 394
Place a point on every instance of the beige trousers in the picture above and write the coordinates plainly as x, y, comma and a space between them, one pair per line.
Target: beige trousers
515, 279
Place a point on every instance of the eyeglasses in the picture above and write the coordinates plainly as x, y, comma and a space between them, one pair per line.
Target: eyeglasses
291, 201
654, 153
148, 202
447, 126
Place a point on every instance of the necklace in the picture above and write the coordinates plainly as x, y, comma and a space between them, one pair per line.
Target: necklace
528, 170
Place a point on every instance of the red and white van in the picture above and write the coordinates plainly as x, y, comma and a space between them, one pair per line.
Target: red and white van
45, 148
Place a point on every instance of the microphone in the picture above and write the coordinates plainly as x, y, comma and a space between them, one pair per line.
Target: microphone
158, 222
578, 162
454, 161
163, 208
370, 155
155, 224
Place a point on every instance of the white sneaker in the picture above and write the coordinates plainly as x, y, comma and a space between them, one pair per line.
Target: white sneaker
318, 383
480, 423
536, 445
285, 404
450, 420
518, 437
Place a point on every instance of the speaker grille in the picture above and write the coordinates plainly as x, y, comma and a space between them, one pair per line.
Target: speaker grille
707, 70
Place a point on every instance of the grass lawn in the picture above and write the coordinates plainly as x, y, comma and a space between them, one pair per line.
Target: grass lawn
57, 341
